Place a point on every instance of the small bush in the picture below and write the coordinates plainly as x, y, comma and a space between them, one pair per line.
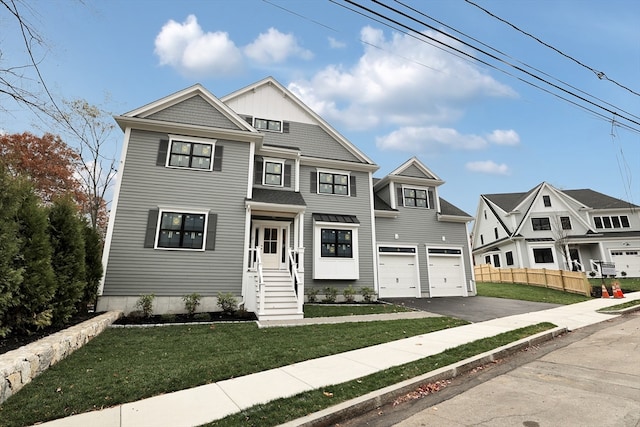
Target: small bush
191, 303
168, 318
592, 273
367, 294
330, 294
312, 295
227, 302
145, 304
349, 294
623, 274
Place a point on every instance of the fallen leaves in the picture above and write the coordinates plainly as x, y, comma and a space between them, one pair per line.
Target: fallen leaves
327, 393
421, 391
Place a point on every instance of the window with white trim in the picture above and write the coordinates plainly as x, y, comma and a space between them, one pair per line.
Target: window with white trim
181, 230
335, 250
336, 243
565, 222
273, 173
546, 200
613, 221
415, 197
543, 255
269, 125
540, 224
333, 183
191, 154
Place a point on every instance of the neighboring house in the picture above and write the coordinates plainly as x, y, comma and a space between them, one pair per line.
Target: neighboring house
256, 195
557, 229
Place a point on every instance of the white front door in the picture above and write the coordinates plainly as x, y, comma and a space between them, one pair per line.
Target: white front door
271, 242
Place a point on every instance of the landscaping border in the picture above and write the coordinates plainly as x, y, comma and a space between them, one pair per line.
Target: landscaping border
18, 367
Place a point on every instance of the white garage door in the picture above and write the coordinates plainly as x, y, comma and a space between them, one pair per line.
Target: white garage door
398, 272
627, 260
446, 273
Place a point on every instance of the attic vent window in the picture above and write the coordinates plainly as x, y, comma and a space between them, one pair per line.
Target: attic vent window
547, 201
269, 125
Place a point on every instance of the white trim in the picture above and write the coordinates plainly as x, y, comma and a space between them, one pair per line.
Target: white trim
542, 245
250, 178
373, 230
417, 163
191, 140
182, 211
114, 206
337, 268
281, 162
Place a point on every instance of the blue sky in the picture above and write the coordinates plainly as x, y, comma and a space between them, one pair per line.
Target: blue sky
480, 129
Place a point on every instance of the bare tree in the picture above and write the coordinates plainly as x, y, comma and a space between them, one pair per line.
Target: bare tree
90, 127
561, 239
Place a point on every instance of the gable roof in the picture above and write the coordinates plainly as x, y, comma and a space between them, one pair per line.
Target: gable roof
587, 197
355, 151
413, 171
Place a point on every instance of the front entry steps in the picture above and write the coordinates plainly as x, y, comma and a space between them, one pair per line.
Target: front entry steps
280, 300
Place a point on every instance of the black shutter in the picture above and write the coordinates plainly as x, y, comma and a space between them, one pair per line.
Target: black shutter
152, 223
212, 224
314, 182
285, 127
432, 204
162, 152
217, 158
287, 175
257, 171
400, 195
352, 184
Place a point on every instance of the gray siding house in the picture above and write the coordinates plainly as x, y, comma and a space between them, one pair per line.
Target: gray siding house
256, 195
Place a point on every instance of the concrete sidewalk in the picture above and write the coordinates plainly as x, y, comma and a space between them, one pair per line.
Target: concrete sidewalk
199, 405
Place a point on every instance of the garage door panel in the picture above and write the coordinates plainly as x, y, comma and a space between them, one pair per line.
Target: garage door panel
446, 277
627, 260
398, 276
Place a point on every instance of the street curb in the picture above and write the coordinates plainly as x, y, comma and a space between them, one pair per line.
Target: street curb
369, 402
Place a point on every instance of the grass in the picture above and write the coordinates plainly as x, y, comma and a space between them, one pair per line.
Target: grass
631, 284
288, 409
528, 293
622, 306
325, 310
124, 365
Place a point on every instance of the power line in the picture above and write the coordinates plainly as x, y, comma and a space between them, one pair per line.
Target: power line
492, 56
600, 74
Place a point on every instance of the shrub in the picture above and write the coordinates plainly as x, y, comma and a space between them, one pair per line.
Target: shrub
367, 294
330, 294
592, 273
191, 303
202, 317
145, 304
349, 294
227, 302
623, 274
312, 295
93, 265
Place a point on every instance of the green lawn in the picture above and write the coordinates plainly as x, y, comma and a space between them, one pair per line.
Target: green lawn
325, 310
528, 293
628, 285
288, 409
124, 365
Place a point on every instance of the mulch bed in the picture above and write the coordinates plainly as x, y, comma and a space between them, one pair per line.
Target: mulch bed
13, 342
162, 319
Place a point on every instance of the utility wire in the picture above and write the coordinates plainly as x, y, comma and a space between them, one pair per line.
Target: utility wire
600, 74
510, 57
413, 30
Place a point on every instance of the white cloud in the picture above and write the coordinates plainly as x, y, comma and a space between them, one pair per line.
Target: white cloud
504, 137
488, 167
397, 81
429, 139
186, 47
275, 47
336, 44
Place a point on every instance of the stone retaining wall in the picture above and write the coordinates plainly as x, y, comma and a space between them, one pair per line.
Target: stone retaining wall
18, 367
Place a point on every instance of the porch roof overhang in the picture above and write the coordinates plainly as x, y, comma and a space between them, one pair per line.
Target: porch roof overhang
276, 200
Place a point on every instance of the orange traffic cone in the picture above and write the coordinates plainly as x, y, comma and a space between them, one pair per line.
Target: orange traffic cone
605, 292
617, 292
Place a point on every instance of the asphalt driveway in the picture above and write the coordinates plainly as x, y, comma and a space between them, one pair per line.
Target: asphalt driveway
472, 309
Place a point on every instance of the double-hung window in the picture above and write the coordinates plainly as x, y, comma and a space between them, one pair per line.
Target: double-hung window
333, 183
191, 154
565, 221
336, 243
181, 230
415, 197
273, 172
